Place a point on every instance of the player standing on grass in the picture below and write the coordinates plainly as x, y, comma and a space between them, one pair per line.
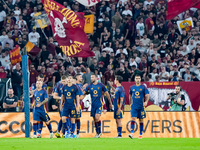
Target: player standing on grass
96, 91
39, 111
119, 100
70, 105
33, 88
79, 84
138, 97
57, 95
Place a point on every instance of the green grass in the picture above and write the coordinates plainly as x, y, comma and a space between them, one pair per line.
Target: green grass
100, 144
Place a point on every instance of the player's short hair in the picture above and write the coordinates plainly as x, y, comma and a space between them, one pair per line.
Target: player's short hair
119, 78
77, 75
63, 77
41, 75
70, 75
92, 74
179, 87
138, 75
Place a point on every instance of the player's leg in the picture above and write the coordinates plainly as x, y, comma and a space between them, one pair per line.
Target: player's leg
134, 115
73, 127
45, 117
65, 114
59, 126
98, 124
40, 126
141, 128
78, 124
35, 126
119, 127
142, 115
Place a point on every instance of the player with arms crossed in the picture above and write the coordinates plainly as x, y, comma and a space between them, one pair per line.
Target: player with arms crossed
39, 111
70, 105
96, 91
57, 95
137, 94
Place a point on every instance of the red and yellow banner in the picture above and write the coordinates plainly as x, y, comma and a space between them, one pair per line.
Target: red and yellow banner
68, 29
32, 49
15, 56
157, 124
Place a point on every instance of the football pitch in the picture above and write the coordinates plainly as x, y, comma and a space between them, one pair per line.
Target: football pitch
100, 144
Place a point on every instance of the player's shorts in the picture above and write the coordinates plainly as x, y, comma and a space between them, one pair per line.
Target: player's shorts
96, 110
78, 115
139, 113
40, 116
120, 116
69, 112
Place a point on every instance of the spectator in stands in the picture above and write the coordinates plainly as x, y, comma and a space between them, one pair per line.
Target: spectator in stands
2, 72
10, 102
34, 37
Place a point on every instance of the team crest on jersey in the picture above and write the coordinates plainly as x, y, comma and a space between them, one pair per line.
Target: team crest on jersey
72, 90
41, 94
140, 89
91, 88
133, 89
60, 88
98, 88
65, 90
35, 94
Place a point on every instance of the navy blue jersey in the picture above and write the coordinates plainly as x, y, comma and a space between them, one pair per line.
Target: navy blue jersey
58, 89
39, 96
96, 92
70, 94
80, 87
119, 92
138, 94
33, 86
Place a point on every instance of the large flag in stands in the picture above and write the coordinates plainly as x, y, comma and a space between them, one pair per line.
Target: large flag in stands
89, 3
176, 7
68, 29
32, 49
15, 56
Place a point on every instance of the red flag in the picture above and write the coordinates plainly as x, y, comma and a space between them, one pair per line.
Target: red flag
68, 29
32, 49
15, 56
176, 7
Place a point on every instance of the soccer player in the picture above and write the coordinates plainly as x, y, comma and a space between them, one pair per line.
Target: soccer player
33, 88
57, 95
96, 92
79, 84
39, 111
119, 100
139, 97
70, 95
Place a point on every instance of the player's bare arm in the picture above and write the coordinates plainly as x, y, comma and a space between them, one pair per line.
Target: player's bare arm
146, 100
62, 102
55, 96
120, 105
182, 102
109, 99
130, 99
42, 103
77, 104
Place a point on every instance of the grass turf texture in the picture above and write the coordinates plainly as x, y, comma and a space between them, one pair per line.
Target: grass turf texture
100, 144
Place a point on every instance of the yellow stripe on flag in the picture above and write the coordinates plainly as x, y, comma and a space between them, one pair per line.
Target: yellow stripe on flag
29, 46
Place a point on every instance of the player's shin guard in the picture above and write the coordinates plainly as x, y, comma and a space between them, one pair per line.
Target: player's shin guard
40, 126
96, 127
141, 127
59, 125
119, 130
132, 126
35, 128
78, 126
99, 126
49, 127
69, 124
73, 128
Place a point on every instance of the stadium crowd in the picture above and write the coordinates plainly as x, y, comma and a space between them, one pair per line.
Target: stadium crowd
130, 37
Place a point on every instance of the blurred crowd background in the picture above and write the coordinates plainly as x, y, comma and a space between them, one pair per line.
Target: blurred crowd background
130, 37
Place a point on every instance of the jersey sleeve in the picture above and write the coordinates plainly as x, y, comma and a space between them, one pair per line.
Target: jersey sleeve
56, 89
104, 88
16, 99
130, 91
77, 92
44, 86
122, 93
80, 91
183, 97
146, 91
45, 94
87, 88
